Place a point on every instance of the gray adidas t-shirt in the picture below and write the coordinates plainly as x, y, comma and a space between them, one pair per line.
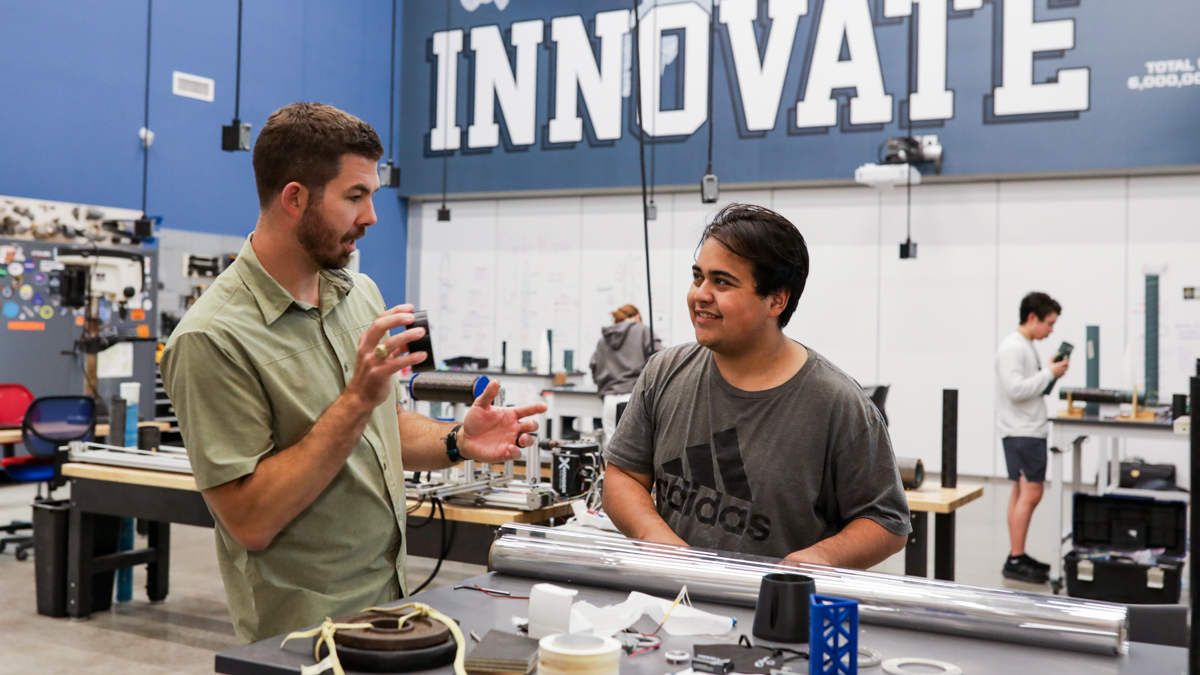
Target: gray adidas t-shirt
763, 472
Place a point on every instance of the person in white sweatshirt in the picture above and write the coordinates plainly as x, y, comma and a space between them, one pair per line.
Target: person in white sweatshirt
1023, 423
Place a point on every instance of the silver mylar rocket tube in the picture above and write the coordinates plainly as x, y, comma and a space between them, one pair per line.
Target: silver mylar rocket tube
730, 578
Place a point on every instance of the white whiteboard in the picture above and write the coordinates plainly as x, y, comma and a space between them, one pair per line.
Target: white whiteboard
919, 325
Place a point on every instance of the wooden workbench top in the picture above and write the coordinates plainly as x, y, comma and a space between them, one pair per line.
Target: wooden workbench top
11, 436
179, 481
119, 474
934, 499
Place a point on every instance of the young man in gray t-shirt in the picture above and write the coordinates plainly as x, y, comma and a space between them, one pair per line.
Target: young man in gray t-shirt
748, 440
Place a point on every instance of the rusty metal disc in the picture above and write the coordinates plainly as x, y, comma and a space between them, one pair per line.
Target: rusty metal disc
417, 633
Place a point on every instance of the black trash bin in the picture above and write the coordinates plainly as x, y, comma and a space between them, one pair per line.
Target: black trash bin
51, 519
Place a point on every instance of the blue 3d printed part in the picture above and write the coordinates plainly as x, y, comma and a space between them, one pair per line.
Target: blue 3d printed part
832, 636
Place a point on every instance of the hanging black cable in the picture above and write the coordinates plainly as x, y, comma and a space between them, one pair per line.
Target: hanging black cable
443, 212
237, 87
912, 26
235, 136
391, 87
712, 48
906, 150
146, 113
654, 119
709, 186
637, 84
389, 175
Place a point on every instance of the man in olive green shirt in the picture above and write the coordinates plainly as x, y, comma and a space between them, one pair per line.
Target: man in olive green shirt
289, 412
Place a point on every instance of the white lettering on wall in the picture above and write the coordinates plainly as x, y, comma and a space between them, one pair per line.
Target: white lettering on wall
761, 82
694, 20
497, 81
446, 134
577, 71
1023, 37
851, 20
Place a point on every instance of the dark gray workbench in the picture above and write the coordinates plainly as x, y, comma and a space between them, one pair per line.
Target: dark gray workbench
479, 613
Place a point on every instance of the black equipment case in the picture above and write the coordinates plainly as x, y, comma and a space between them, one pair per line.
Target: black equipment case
1109, 531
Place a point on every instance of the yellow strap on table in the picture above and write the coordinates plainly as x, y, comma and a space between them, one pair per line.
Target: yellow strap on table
325, 631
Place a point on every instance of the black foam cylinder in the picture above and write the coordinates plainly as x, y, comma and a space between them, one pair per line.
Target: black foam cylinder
949, 438
446, 387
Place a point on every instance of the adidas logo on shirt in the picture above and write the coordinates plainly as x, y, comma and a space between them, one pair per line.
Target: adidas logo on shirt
680, 489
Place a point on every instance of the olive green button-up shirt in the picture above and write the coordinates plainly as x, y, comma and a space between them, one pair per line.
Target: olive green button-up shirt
249, 370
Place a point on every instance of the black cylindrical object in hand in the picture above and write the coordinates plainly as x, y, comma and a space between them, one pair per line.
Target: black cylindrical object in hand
912, 472
782, 611
422, 344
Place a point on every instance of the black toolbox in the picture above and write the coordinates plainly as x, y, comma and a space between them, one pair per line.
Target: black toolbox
1127, 549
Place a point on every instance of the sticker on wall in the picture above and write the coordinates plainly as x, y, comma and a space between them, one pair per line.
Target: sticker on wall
46, 312
7, 254
6, 291
40, 279
37, 300
143, 331
137, 315
105, 312
147, 304
79, 321
51, 266
26, 325
29, 265
16, 269
40, 254
27, 292
11, 309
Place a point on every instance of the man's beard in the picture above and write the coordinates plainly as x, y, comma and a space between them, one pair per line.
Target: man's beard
320, 239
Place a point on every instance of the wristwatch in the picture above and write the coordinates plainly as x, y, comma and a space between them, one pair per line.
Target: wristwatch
452, 445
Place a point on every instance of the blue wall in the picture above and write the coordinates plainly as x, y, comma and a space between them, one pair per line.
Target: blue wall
73, 77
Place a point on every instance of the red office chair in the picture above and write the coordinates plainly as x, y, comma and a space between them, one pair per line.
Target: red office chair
14, 401
49, 422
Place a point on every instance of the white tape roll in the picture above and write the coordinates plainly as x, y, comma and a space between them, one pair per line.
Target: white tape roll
564, 654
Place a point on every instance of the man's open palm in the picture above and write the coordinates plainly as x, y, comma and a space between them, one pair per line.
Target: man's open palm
494, 434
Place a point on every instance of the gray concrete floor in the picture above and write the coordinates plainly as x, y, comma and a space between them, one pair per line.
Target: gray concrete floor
183, 633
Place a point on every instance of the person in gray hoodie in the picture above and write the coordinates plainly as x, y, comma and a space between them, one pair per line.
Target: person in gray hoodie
619, 358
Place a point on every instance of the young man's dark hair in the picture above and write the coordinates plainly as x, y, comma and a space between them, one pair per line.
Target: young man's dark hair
771, 243
305, 142
1040, 304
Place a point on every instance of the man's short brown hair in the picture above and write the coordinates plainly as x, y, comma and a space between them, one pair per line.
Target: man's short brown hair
305, 142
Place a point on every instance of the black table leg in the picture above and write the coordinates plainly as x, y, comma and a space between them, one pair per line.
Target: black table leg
79, 554
916, 553
943, 546
158, 572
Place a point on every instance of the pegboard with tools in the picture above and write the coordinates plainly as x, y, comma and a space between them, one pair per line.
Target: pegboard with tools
45, 290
